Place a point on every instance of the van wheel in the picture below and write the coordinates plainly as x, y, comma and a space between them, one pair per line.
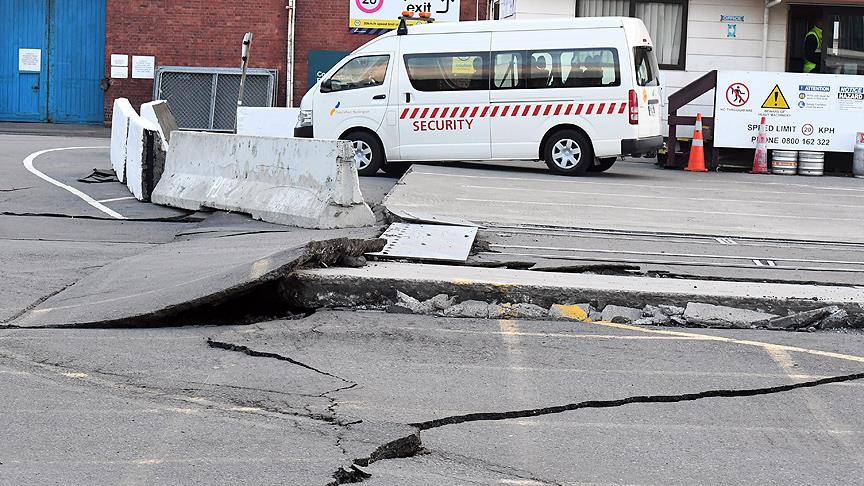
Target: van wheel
396, 169
568, 152
602, 165
368, 152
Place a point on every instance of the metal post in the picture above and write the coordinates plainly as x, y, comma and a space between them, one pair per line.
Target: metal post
244, 62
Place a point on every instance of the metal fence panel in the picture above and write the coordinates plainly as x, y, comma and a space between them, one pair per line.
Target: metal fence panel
206, 98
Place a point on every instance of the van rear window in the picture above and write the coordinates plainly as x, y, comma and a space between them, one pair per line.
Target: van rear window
646, 66
448, 72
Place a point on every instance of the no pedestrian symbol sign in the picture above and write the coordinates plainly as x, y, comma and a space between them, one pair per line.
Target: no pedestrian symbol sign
737, 94
776, 100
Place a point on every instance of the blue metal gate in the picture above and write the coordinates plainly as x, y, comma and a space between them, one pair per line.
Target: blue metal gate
70, 35
23, 95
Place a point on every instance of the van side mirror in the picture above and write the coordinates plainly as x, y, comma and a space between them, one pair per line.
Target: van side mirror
326, 86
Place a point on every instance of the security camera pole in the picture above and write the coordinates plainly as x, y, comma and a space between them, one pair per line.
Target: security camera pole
244, 62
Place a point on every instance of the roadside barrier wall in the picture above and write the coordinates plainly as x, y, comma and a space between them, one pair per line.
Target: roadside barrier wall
122, 112
160, 114
299, 182
142, 147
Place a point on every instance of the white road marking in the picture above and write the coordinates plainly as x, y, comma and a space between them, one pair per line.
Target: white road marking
724, 189
726, 241
660, 210
28, 164
648, 196
116, 199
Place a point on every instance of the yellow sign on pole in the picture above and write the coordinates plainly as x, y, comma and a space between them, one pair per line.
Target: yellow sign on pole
776, 100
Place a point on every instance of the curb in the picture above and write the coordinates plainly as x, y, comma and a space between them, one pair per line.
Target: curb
376, 285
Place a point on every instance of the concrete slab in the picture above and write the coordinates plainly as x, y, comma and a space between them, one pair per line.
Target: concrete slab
376, 284
640, 197
174, 277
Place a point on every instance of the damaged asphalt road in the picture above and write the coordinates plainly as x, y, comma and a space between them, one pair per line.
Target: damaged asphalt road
329, 399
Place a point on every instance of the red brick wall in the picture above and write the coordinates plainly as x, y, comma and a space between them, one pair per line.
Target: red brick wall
192, 33
209, 33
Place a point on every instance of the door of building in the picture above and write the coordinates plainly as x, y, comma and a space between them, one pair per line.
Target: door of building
52, 56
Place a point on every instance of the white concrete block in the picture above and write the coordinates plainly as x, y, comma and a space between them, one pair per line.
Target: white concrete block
158, 113
300, 182
122, 112
136, 156
267, 122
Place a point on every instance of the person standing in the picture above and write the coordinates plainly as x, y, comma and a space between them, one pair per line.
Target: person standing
813, 48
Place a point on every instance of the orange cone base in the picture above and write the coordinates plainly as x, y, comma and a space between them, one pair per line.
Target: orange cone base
697, 161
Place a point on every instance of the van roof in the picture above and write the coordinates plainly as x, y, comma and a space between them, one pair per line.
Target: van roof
528, 24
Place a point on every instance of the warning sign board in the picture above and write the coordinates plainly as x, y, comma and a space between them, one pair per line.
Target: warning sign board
819, 112
776, 100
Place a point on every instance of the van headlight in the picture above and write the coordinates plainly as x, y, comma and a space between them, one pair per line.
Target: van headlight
305, 118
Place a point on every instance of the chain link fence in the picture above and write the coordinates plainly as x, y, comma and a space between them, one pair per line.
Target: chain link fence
206, 98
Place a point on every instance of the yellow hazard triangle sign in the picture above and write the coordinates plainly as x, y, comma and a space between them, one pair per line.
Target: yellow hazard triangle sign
776, 100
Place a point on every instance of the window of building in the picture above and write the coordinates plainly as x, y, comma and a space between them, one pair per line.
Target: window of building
666, 21
448, 72
360, 72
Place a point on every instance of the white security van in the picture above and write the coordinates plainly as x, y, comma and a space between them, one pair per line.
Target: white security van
575, 93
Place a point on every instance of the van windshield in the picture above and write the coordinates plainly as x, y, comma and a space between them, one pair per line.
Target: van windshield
647, 72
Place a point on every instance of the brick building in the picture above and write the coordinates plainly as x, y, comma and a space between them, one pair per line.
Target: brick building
208, 33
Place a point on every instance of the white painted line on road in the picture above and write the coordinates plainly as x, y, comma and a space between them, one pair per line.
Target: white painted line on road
28, 164
660, 210
576, 181
116, 199
726, 241
674, 198
757, 261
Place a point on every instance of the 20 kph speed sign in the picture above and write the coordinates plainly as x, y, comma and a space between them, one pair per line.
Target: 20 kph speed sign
369, 6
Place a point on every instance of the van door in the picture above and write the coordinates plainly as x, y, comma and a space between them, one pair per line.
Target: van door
647, 91
444, 97
568, 77
356, 95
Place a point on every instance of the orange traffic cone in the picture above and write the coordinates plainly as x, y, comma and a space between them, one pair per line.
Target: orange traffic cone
697, 149
760, 158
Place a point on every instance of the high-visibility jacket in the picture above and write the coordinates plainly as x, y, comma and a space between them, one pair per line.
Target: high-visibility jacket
809, 64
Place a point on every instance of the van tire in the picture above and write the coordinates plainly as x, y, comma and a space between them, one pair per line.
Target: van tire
396, 169
602, 165
366, 146
568, 152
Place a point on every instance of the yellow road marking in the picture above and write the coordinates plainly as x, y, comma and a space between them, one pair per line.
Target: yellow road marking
76, 375
815, 352
572, 312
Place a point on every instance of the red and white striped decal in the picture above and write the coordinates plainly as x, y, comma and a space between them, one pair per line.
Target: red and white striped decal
520, 110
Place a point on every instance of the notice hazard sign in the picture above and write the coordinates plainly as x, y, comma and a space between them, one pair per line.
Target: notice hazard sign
776, 100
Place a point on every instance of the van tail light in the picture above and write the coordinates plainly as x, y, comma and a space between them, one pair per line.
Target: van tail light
633, 107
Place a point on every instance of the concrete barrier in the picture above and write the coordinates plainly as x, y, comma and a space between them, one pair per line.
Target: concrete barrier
145, 157
300, 182
159, 112
122, 112
266, 122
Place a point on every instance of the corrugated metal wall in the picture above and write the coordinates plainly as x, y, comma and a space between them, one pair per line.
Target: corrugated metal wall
71, 37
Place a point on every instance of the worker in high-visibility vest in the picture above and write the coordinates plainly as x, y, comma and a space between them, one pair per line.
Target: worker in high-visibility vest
813, 49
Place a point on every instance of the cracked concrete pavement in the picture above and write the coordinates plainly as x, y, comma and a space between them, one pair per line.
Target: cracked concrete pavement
330, 398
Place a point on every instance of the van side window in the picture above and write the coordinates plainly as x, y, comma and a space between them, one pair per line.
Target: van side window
544, 71
448, 72
589, 68
509, 70
646, 66
360, 72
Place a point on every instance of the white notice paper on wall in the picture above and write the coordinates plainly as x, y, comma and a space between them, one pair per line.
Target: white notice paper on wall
119, 72
29, 60
120, 60
143, 67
